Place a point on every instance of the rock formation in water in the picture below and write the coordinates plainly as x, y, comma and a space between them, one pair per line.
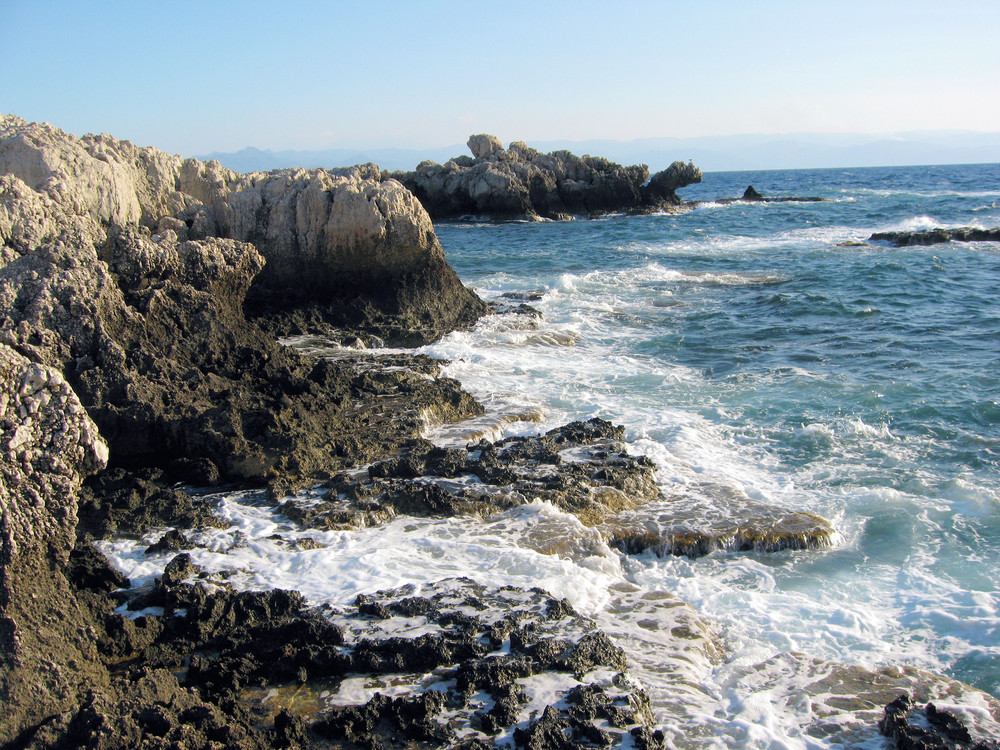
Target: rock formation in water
128, 362
937, 236
521, 183
751, 195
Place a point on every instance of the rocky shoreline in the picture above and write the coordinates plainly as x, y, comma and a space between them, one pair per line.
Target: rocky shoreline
142, 297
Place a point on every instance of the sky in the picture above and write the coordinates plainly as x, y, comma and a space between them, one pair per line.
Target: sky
197, 77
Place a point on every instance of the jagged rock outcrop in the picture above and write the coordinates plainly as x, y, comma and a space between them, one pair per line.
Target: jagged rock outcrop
361, 249
522, 183
115, 274
124, 274
937, 236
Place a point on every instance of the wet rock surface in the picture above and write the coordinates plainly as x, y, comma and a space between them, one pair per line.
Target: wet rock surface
715, 518
450, 664
582, 468
928, 728
845, 704
521, 183
937, 236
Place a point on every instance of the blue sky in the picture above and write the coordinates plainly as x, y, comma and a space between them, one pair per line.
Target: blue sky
195, 77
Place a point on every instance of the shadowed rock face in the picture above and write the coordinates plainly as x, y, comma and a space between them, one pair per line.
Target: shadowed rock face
521, 183
128, 269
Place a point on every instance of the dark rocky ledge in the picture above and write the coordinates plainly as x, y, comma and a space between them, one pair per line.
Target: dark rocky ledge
750, 195
448, 665
938, 236
582, 468
520, 183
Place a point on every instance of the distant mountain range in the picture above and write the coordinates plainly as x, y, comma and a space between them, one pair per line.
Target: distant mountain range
711, 153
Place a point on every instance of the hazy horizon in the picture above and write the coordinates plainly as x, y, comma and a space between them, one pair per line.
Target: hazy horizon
740, 152
193, 78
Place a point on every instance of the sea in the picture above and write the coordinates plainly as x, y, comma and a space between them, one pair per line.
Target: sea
766, 351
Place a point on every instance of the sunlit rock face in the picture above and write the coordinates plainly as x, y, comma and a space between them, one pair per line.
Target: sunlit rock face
343, 239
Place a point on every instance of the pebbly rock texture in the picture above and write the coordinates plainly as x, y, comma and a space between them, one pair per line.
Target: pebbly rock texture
520, 183
48, 444
937, 236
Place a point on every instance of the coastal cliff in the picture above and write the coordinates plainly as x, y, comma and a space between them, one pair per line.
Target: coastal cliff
124, 342
520, 183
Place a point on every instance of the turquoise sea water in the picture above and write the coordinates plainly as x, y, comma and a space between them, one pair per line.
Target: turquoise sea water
758, 347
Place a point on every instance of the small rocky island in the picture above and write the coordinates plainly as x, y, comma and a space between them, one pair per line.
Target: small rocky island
520, 183
142, 299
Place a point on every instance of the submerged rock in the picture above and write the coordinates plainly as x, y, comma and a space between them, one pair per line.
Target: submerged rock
750, 195
717, 518
930, 728
522, 183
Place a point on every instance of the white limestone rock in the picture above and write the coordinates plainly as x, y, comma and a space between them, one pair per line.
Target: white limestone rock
48, 444
484, 145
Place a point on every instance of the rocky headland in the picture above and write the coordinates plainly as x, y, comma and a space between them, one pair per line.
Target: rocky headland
520, 183
142, 298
